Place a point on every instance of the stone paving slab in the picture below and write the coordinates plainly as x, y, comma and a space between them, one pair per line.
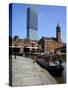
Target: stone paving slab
27, 73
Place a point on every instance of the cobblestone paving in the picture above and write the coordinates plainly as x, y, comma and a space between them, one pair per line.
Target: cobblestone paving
27, 73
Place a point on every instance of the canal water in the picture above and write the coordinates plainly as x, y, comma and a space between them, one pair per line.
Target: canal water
62, 78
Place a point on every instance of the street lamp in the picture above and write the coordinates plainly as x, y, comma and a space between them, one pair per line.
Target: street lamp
15, 51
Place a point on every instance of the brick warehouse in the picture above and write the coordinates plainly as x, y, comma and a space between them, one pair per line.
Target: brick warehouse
22, 43
50, 44
45, 44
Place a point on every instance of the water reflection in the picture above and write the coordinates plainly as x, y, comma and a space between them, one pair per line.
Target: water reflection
62, 78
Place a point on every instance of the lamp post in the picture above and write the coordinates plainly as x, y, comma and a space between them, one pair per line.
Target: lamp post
15, 51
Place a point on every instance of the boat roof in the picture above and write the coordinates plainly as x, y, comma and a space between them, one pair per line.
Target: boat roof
32, 47
15, 46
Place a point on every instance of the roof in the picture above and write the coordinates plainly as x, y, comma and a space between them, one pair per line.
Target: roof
61, 48
50, 38
15, 46
32, 47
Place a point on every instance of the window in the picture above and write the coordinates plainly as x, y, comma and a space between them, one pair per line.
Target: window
63, 51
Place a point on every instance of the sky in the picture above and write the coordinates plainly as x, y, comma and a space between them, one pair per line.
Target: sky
48, 17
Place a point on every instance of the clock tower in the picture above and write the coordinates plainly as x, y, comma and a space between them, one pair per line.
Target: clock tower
58, 33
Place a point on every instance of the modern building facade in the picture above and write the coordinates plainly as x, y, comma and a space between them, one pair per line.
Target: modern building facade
32, 24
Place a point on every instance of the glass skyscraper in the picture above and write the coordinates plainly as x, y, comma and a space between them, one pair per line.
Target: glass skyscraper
32, 24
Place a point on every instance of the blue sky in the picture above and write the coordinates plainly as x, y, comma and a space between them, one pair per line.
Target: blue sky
48, 17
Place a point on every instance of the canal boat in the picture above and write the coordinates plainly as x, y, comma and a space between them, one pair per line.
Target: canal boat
52, 63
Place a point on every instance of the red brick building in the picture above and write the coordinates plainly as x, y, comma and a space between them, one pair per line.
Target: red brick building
50, 44
22, 43
45, 44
